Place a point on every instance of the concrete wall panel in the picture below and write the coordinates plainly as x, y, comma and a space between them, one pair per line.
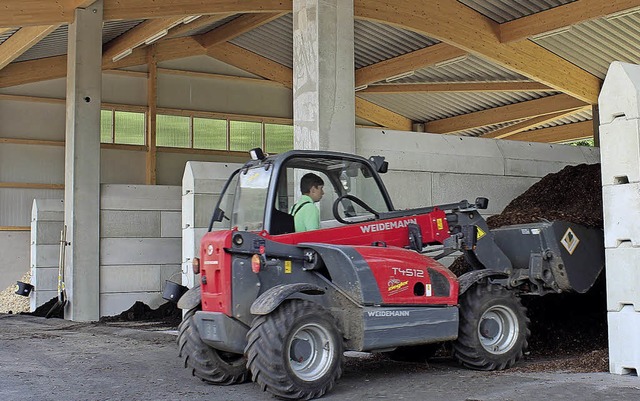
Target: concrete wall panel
46, 233
46, 279
28, 163
409, 189
171, 166
45, 255
140, 197
171, 224
122, 167
138, 251
129, 223
14, 256
139, 278
17, 120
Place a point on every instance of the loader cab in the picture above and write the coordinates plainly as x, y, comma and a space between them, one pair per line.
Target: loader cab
259, 196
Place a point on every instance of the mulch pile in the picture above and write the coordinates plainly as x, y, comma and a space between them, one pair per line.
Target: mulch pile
167, 313
568, 331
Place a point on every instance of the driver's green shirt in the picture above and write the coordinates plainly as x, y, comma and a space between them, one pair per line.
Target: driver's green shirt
307, 216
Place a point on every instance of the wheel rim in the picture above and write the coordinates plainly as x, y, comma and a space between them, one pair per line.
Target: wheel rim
311, 352
498, 329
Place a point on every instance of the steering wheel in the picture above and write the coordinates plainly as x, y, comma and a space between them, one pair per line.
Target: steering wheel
355, 200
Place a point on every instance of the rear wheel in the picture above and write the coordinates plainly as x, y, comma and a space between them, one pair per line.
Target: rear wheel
493, 328
209, 364
296, 351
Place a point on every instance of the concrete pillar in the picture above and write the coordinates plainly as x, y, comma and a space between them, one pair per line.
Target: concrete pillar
619, 112
82, 164
323, 75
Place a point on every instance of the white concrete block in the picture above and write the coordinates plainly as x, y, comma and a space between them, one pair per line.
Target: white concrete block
591, 154
115, 303
191, 238
408, 189
46, 232
431, 152
197, 209
129, 223
170, 272
45, 278
47, 210
131, 278
206, 177
450, 188
623, 277
620, 93
38, 298
540, 151
139, 197
140, 251
624, 347
171, 224
621, 207
45, 255
620, 145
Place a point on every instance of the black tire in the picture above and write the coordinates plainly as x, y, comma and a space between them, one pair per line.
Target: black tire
494, 328
414, 353
209, 364
296, 330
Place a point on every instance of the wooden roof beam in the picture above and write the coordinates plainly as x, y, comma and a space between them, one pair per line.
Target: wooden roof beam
21, 41
561, 17
148, 31
56, 67
236, 27
458, 25
14, 13
531, 123
504, 114
381, 116
407, 62
458, 87
560, 133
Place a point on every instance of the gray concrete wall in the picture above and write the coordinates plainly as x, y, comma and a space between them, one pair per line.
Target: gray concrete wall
140, 244
430, 169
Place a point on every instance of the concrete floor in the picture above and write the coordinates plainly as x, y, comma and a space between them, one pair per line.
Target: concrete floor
54, 359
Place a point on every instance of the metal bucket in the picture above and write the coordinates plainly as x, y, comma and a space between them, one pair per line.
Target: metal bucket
173, 291
23, 289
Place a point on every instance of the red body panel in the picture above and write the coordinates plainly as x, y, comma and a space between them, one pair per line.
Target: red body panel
403, 276
215, 271
393, 232
216, 264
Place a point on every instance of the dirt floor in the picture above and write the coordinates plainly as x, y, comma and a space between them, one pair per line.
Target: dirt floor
54, 359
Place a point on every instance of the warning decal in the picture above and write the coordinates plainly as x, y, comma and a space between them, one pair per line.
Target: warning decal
481, 233
287, 266
569, 241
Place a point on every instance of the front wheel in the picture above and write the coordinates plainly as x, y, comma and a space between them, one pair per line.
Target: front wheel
209, 364
493, 331
296, 351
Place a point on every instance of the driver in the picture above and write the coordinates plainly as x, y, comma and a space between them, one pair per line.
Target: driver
306, 215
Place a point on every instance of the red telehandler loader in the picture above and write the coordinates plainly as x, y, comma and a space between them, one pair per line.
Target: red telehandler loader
281, 307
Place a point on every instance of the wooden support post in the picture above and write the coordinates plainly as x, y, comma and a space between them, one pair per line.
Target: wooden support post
152, 98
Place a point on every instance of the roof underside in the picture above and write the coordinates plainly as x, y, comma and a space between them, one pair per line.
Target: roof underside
419, 73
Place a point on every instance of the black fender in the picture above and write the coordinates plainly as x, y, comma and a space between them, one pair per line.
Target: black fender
191, 298
271, 299
470, 278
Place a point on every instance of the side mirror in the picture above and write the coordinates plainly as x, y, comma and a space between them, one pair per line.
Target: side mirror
379, 163
482, 203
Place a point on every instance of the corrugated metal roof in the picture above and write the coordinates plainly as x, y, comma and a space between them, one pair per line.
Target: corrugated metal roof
424, 107
507, 10
373, 42
593, 45
6, 35
55, 44
584, 115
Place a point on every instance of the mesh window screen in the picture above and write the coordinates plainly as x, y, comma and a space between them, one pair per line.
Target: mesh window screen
172, 131
129, 129
278, 138
209, 133
106, 126
244, 136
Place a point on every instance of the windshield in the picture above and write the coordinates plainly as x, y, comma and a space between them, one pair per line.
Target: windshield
243, 201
